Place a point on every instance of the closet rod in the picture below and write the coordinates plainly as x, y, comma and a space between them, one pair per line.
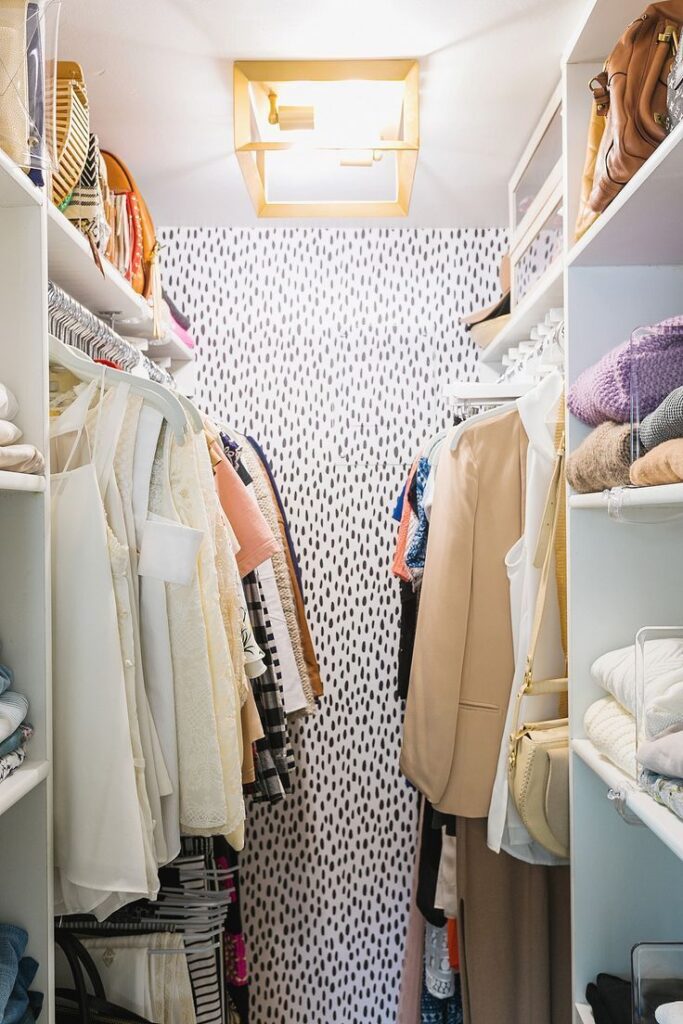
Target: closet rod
75, 325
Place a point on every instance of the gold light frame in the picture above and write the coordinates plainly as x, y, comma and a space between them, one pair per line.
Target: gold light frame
251, 155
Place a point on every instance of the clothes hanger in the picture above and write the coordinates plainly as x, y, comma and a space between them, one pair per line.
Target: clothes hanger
156, 395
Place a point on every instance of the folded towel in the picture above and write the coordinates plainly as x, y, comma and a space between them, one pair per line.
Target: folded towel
13, 711
649, 365
661, 465
9, 407
21, 458
602, 460
612, 731
9, 432
19, 738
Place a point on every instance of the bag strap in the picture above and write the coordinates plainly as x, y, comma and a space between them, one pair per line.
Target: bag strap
83, 959
543, 559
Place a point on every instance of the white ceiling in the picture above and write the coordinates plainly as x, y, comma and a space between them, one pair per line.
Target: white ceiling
159, 75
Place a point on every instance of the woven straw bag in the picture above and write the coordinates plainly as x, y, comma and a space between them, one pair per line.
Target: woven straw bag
73, 130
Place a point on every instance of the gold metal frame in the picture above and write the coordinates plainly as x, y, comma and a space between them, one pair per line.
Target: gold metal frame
251, 155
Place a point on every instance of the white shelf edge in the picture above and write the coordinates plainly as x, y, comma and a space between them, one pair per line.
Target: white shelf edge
575, 255
172, 348
662, 495
72, 267
16, 188
530, 311
584, 1013
28, 482
506, 391
25, 779
660, 820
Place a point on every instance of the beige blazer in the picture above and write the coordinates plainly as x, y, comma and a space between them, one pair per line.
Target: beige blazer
463, 661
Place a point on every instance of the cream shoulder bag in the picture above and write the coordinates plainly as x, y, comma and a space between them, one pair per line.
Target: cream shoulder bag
539, 751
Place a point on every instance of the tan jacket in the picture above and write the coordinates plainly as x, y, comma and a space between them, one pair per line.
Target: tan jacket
463, 662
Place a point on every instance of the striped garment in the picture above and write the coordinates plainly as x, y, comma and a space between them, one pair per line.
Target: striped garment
273, 755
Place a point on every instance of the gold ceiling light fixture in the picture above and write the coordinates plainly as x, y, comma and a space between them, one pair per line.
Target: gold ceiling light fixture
335, 138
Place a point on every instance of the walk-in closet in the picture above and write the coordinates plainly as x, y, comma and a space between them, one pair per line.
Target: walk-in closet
341, 512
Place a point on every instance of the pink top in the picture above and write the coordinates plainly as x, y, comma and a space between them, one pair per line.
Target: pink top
255, 538
398, 565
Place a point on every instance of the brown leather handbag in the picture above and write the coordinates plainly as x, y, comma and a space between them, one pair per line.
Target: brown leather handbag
630, 94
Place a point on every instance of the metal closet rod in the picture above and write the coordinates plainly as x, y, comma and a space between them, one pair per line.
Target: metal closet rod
74, 324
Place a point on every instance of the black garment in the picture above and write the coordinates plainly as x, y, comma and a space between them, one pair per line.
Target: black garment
408, 625
610, 1000
428, 873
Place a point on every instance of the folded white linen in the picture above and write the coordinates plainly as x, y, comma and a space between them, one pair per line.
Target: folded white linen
13, 711
664, 755
615, 672
612, 731
9, 432
21, 458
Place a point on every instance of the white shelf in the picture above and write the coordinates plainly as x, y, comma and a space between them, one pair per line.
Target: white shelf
584, 1014
170, 347
21, 482
463, 391
72, 267
665, 495
548, 293
601, 25
660, 820
16, 188
637, 228
26, 778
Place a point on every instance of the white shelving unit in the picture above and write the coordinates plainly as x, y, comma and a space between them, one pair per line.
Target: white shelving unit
625, 549
584, 1014
547, 294
26, 797
72, 267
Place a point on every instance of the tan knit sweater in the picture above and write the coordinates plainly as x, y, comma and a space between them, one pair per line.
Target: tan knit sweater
602, 460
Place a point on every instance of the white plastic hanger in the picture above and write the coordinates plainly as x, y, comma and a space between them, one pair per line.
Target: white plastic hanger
156, 395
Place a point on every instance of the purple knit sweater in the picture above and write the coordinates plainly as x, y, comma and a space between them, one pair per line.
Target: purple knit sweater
648, 367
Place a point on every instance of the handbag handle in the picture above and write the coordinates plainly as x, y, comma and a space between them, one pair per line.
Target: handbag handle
62, 940
544, 559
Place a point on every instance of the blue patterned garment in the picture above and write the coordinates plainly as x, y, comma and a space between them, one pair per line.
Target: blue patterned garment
441, 1011
416, 553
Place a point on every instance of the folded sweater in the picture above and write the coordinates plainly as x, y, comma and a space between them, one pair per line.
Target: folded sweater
647, 368
665, 423
602, 460
661, 465
612, 731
